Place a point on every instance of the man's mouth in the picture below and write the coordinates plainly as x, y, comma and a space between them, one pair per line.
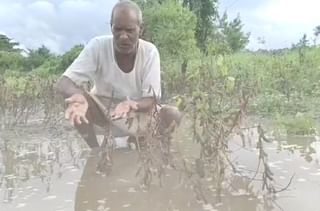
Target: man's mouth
124, 45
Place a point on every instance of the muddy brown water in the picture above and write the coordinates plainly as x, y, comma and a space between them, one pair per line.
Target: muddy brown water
51, 169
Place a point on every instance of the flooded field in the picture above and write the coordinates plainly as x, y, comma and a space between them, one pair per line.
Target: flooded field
51, 169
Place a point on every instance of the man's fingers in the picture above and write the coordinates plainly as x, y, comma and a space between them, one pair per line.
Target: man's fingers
75, 118
116, 116
134, 105
123, 109
70, 100
84, 118
68, 113
124, 115
78, 119
72, 118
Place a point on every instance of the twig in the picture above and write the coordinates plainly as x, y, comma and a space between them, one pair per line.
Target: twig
287, 186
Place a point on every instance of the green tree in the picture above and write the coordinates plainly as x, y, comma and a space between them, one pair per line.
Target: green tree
207, 15
143, 4
233, 33
303, 42
69, 57
58, 64
317, 30
11, 61
6, 44
316, 33
301, 46
171, 27
49, 67
38, 57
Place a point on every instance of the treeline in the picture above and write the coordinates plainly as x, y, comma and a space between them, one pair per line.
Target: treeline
41, 60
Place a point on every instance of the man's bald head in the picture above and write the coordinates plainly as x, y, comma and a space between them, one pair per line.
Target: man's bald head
127, 5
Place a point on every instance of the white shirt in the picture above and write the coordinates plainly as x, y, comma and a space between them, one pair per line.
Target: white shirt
96, 64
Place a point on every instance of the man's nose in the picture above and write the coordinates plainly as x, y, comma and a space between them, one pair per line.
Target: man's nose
123, 36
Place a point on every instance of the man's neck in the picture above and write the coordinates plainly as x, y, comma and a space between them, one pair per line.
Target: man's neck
126, 61
124, 57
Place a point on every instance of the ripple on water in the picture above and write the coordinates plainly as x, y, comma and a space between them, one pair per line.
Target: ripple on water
49, 197
208, 207
315, 174
21, 205
126, 205
304, 168
123, 180
132, 190
102, 201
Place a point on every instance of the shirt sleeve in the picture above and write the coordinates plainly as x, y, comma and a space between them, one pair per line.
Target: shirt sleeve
84, 67
151, 82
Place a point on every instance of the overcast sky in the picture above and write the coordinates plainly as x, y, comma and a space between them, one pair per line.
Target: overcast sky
59, 24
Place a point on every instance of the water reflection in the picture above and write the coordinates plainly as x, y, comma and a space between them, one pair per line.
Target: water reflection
29, 157
120, 190
306, 146
36, 171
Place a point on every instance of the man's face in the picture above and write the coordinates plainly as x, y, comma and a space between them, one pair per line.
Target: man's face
125, 30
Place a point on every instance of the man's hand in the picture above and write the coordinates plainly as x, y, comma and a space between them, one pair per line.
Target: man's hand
123, 108
77, 109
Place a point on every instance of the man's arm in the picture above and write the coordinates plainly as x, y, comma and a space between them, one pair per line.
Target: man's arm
76, 100
146, 104
151, 83
142, 105
82, 70
66, 87
151, 80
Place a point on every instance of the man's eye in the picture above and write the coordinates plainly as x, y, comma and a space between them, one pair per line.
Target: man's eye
130, 30
116, 29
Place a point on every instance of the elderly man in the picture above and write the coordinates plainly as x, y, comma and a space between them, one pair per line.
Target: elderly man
125, 73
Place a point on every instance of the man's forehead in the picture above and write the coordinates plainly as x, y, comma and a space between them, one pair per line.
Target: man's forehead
125, 12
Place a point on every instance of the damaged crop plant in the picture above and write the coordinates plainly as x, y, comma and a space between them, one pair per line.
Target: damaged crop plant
215, 104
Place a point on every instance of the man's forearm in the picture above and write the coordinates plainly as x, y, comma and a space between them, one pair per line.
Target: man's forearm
146, 104
66, 87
